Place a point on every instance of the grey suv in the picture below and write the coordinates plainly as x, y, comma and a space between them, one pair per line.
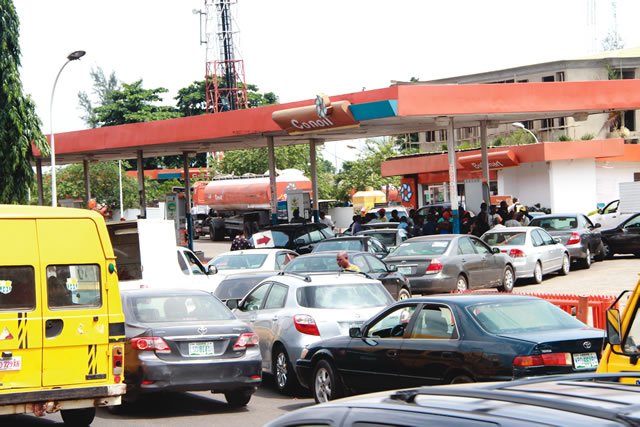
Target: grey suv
289, 311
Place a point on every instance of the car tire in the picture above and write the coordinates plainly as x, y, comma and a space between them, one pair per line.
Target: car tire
537, 273
461, 379
599, 256
586, 262
218, 234
607, 253
508, 280
404, 294
566, 265
462, 285
283, 373
78, 417
238, 398
325, 384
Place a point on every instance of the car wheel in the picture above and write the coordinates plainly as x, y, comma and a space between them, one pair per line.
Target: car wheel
404, 294
599, 256
461, 379
586, 262
78, 417
326, 385
238, 398
285, 377
566, 265
461, 284
508, 279
217, 235
537, 273
606, 251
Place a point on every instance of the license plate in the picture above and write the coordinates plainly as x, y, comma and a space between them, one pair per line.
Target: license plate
13, 364
404, 270
201, 349
585, 361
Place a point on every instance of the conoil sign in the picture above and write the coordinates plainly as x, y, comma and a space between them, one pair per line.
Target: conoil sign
306, 119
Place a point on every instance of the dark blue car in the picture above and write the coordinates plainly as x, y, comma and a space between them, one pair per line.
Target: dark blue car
450, 339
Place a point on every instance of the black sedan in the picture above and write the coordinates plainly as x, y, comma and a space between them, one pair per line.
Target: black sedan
397, 285
577, 233
187, 340
353, 243
450, 339
623, 237
452, 262
296, 237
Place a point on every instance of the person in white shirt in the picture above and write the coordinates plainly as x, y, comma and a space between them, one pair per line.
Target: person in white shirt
325, 219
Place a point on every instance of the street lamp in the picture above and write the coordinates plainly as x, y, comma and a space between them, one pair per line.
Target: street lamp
521, 126
54, 196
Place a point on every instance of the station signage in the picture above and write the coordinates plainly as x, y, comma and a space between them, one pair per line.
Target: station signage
497, 160
323, 116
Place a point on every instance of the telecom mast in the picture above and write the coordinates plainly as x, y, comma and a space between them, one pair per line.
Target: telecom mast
224, 76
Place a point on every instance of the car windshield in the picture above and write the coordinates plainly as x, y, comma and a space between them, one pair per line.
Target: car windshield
339, 245
425, 247
388, 239
522, 316
351, 296
179, 308
556, 224
313, 263
239, 261
505, 238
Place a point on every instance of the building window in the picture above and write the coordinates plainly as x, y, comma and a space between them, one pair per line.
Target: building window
430, 136
636, 176
548, 79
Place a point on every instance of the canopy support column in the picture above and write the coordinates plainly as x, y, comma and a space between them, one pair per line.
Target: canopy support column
87, 182
272, 179
453, 176
187, 199
39, 181
314, 178
141, 194
486, 194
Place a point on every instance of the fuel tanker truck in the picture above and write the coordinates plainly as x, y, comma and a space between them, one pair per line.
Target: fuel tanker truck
234, 200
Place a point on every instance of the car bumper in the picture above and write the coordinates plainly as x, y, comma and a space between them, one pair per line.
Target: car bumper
430, 284
577, 252
304, 370
547, 370
216, 375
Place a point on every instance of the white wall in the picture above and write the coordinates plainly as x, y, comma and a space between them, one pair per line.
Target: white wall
572, 185
528, 182
608, 176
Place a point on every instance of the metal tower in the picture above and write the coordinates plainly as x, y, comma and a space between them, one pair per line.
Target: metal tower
224, 75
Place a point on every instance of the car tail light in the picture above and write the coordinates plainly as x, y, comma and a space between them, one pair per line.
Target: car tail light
305, 324
573, 239
517, 253
150, 344
434, 267
246, 340
547, 359
116, 362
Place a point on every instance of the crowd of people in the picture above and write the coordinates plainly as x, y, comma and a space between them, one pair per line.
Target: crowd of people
439, 220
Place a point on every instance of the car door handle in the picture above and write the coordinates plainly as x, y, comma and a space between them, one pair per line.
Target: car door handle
392, 354
274, 319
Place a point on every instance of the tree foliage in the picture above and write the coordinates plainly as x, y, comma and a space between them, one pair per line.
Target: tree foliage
19, 123
103, 87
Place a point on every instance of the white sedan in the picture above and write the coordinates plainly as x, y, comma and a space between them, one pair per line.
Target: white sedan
247, 260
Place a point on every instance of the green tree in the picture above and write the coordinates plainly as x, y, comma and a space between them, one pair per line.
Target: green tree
103, 87
19, 124
365, 171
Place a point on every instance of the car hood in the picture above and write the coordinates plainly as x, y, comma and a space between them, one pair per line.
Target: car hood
538, 337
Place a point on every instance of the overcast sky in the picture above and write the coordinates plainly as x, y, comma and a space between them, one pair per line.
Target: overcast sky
297, 48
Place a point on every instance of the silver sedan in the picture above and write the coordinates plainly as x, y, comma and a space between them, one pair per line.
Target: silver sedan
533, 251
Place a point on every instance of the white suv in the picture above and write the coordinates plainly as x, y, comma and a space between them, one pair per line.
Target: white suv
289, 311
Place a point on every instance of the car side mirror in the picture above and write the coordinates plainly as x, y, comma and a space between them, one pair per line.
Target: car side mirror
613, 326
495, 250
392, 268
600, 211
299, 242
355, 332
597, 225
557, 240
212, 269
233, 303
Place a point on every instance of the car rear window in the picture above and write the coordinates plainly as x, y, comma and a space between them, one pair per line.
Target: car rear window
429, 247
236, 288
313, 263
239, 262
556, 224
356, 295
522, 316
505, 238
344, 245
388, 239
179, 308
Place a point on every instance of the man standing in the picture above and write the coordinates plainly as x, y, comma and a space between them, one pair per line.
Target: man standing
324, 219
342, 258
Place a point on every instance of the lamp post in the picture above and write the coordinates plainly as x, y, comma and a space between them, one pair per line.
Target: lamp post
54, 196
521, 126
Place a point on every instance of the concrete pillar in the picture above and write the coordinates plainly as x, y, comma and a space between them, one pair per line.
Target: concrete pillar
87, 182
272, 179
422, 142
187, 199
486, 179
39, 181
141, 194
314, 178
453, 177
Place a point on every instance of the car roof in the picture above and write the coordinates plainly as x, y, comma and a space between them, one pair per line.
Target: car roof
254, 251
434, 237
250, 274
559, 215
163, 292
511, 229
334, 252
550, 400
296, 225
464, 299
322, 278
338, 239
